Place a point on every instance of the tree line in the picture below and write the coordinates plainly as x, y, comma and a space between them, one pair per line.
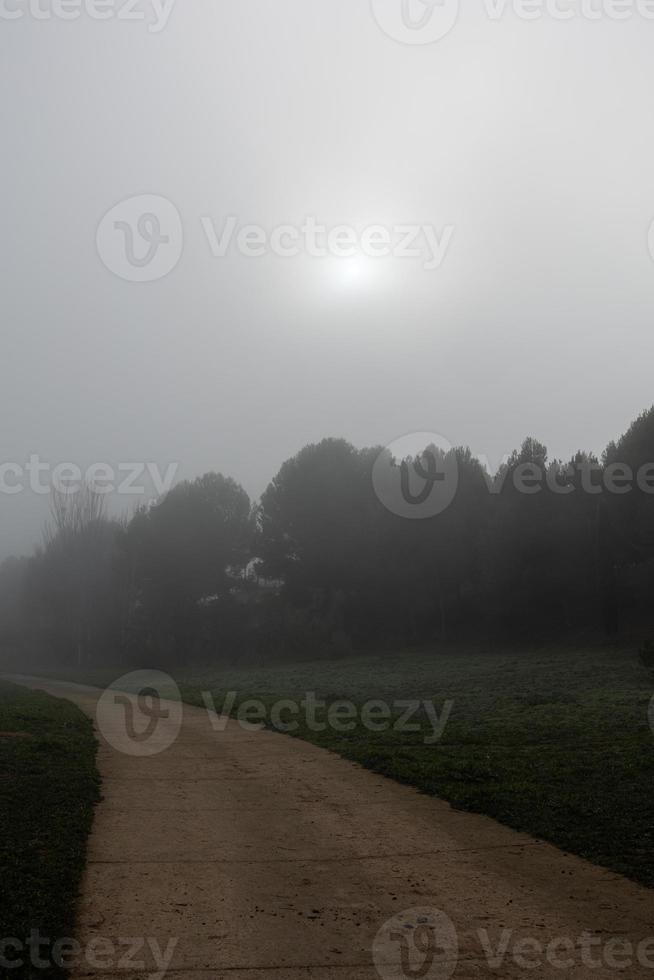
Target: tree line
321, 566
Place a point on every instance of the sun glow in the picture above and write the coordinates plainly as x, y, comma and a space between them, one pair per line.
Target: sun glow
356, 273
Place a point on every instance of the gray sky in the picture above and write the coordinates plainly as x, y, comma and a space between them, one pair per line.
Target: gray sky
532, 139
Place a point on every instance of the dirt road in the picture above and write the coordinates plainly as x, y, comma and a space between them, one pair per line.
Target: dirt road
256, 856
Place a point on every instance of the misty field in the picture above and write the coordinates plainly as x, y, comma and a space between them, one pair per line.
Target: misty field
555, 743
49, 789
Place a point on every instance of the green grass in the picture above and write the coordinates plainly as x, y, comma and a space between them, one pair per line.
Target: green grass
49, 786
553, 743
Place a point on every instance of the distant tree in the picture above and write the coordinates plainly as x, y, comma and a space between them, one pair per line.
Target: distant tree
365, 569
322, 566
187, 550
73, 580
626, 522
13, 577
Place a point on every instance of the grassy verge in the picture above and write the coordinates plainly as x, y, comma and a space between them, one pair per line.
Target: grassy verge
49, 788
555, 743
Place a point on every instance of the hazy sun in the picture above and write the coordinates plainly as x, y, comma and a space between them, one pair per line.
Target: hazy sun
358, 272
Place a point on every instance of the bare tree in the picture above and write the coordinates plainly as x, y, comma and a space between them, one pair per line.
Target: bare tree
74, 513
79, 550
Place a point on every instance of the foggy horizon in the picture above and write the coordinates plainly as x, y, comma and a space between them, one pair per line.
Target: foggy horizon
510, 132
124, 505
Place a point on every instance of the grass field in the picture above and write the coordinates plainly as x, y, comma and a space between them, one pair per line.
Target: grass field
49, 787
554, 743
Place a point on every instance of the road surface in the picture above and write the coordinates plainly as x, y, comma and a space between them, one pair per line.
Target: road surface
256, 856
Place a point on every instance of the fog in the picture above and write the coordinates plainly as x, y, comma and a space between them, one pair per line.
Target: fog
514, 134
